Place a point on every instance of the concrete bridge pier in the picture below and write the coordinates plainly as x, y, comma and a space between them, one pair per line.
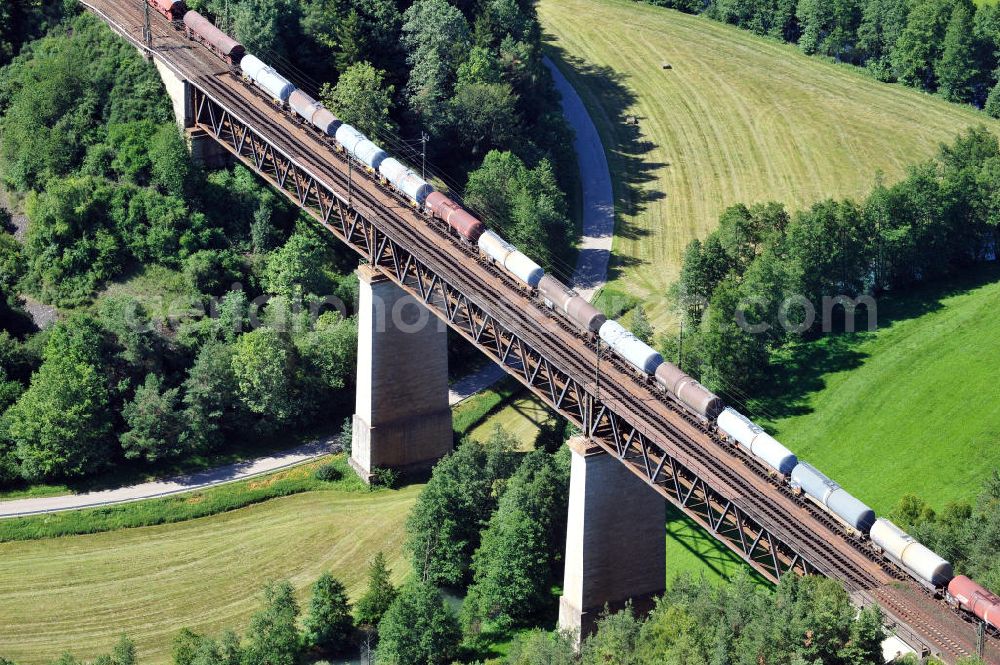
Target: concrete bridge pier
203, 147
402, 419
615, 540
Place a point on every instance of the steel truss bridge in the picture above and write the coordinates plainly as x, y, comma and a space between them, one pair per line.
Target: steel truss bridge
718, 486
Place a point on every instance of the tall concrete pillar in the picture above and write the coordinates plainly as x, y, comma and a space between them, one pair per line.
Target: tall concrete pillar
402, 419
180, 94
615, 539
203, 147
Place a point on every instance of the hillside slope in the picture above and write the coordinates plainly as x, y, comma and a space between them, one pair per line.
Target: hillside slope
736, 119
79, 593
913, 407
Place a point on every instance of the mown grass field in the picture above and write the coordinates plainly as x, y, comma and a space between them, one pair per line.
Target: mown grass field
737, 119
911, 408
79, 593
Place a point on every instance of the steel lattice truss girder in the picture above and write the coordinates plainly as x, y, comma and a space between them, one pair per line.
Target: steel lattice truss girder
728, 521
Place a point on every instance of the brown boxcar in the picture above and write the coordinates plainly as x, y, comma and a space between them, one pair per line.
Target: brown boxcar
455, 216
205, 31
974, 598
172, 9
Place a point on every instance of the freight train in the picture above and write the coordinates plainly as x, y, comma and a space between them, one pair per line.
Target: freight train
734, 428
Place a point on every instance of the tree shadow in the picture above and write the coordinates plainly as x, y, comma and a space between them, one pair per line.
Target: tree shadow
802, 368
608, 98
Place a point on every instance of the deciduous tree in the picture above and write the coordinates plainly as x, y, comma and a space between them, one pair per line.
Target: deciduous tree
418, 628
273, 638
328, 624
363, 99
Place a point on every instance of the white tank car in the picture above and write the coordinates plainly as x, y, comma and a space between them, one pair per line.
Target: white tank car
902, 548
761, 445
267, 78
639, 354
526, 270
828, 494
495, 247
405, 180
357, 145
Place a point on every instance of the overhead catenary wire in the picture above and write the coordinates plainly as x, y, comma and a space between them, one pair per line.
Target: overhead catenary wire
405, 149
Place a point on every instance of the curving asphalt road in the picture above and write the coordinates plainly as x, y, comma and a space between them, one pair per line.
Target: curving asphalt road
591, 271
595, 179
589, 276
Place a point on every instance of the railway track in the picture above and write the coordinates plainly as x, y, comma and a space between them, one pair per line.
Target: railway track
810, 531
566, 355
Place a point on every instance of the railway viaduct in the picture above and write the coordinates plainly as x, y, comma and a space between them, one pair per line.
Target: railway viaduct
636, 451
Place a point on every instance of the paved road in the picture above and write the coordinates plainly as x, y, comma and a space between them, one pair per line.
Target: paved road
168, 486
598, 200
472, 383
591, 273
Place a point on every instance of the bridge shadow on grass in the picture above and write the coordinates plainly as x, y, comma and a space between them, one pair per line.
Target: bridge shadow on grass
800, 369
607, 97
716, 558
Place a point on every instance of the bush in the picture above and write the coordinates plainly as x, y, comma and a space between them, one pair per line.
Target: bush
387, 478
328, 473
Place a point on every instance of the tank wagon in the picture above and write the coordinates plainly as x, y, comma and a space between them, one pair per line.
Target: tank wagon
889, 540
557, 296
757, 442
455, 216
831, 497
687, 391
174, 10
267, 79
200, 28
415, 188
313, 112
901, 548
494, 247
637, 353
973, 598
358, 146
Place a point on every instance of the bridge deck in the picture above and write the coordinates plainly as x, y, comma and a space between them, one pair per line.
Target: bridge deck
809, 531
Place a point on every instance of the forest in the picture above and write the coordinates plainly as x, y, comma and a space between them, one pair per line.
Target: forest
948, 47
758, 282
159, 269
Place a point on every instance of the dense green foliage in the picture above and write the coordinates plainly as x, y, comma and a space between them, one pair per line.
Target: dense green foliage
805, 620
418, 628
966, 534
525, 205
515, 566
948, 46
765, 278
87, 137
443, 529
379, 594
328, 623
